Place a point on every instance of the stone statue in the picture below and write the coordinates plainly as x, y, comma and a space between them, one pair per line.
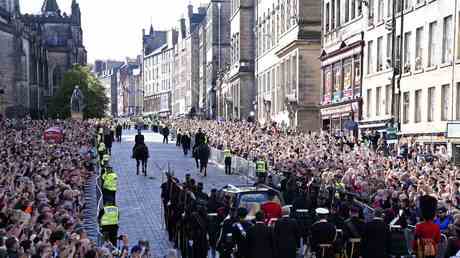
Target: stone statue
77, 101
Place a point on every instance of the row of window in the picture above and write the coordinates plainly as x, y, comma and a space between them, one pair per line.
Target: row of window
272, 24
332, 13
423, 103
235, 48
352, 9
279, 82
429, 45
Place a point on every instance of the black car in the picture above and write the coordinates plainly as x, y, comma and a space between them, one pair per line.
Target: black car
248, 196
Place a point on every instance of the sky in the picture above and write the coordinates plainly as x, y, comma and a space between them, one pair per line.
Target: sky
112, 29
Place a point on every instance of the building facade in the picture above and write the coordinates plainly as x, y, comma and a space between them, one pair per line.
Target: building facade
158, 77
215, 28
186, 93
238, 90
36, 50
341, 65
106, 72
128, 88
288, 37
428, 52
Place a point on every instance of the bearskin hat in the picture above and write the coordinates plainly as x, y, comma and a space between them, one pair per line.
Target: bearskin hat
428, 205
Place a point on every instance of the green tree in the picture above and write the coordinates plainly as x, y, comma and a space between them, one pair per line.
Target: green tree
95, 99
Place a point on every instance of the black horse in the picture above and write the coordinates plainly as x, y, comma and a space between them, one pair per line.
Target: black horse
141, 154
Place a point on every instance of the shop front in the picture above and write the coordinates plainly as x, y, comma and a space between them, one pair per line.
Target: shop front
340, 118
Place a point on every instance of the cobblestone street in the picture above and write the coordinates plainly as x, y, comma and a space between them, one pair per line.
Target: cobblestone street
139, 197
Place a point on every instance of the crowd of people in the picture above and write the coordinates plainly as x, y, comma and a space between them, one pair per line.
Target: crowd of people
41, 189
326, 170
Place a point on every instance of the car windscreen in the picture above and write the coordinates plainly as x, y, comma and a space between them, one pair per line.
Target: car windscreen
252, 202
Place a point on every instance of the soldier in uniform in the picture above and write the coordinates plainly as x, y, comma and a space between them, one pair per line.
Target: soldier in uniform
375, 239
199, 226
240, 229
323, 234
286, 234
427, 234
225, 243
260, 239
352, 233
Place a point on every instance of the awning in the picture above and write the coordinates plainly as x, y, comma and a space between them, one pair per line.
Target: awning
376, 125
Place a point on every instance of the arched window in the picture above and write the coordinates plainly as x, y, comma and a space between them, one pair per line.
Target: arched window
57, 79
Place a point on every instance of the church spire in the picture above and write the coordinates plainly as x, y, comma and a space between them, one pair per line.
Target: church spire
151, 29
50, 6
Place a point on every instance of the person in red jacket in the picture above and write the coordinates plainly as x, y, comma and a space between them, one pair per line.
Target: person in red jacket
271, 208
427, 234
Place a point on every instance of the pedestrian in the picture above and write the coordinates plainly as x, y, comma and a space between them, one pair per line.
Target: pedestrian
119, 132
323, 235
204, 152
200, 137
228, 160
260, 239
108, 139
109, 185
108, 220
185, 141
178, 138
165, 133
375, 238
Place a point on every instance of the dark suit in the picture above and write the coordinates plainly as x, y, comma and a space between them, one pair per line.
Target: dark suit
375, 239
286, 237
353, 228
322, 232
260, 241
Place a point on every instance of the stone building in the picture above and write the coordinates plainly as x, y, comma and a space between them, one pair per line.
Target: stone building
106, 72
35, 51
187, 64
238, 89
129, 88
214, 56
158, 70
288, 36
341, 65
428, 51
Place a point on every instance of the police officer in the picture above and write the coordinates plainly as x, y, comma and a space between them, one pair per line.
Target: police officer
109, 185
323, 234
104, 162
240, 229
101, 150
228, 160
108, 219
261, 169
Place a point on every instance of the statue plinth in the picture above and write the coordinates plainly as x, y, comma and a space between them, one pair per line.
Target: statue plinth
77, 115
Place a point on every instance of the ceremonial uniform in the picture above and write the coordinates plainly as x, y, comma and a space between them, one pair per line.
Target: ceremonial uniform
323, 234
260, 241
375, 239
286, 234
240, 236
352, 233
